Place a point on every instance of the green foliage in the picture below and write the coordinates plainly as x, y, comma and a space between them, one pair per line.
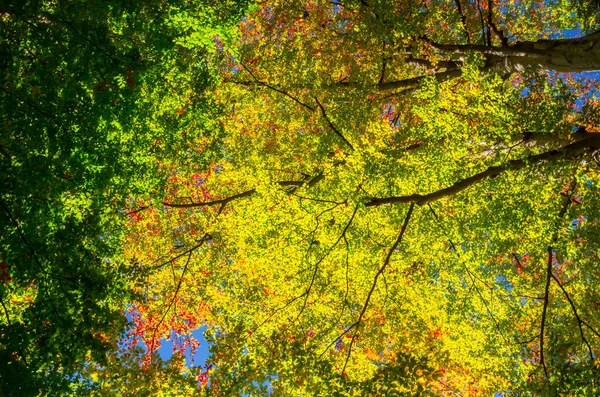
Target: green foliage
96, 101
125, 375
357, 198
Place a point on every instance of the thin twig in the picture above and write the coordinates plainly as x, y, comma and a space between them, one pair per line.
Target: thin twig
316, 265
68, 24
374, 285
261, 83
145, 207
463, 18
472, 276
590, 327
579, 321
151, 347
202, 240
547, 290
22, 236
526, 342
333, 128
227, 200
9, 325
32, 106
320, 200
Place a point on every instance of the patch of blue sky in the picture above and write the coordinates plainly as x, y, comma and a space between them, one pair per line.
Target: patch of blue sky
339, 344
198, 359
342, 25
388, 111
568, 33
577, 222
337, 6
592, 78
523, 301
223, 285
504, 283
525, 91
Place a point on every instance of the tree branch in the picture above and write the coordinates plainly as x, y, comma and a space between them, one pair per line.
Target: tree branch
224, 201
5, 154
482, 24
416, 81
69, 25
548, 276
463, 17
49, 116
151, 347
590, 327
383, 64
567, 200
320, 200
142, 208
472, 276
263, 84
9, 324
24, 239
342, 236
335, 130
450, 65
493, 26
374, 285
515, 51
589, 142
579, 321
202, 240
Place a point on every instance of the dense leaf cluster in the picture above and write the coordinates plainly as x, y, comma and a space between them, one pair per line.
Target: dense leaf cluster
96, 100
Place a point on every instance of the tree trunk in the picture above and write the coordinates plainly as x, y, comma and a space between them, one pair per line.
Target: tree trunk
571, 55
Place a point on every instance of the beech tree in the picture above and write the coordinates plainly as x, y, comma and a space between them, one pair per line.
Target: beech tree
407, 203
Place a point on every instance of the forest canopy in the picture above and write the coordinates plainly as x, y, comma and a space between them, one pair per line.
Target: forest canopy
344, 197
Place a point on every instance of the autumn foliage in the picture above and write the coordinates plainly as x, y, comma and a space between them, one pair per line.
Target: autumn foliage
346, 197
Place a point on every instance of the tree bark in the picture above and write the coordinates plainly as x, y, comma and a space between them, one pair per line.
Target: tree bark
570, 55
589, 141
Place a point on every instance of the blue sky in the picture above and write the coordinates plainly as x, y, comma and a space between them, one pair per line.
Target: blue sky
199, 359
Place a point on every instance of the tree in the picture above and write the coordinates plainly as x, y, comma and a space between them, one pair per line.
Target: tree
401, 198
407, 203
96, 100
